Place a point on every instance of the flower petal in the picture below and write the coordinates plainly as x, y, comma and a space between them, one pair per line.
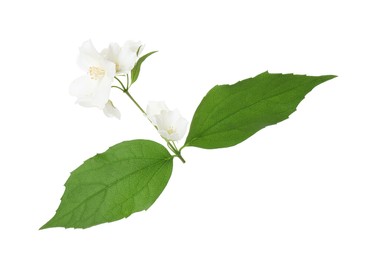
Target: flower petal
171, 125
111, 111
128, 56
181, 128
127, 61
88, 55
102, 92
103, 87
154, 108
112, 54
83, 88
164, 134
91, 93
132, 46
168, 118
174, 137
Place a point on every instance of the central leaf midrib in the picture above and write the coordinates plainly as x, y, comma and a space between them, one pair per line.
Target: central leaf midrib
117, 161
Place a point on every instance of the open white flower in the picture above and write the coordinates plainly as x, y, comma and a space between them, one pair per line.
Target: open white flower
111, 111
170, 124
124, 57
93, 89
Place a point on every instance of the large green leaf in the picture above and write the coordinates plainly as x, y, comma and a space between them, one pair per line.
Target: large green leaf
137, 66
125, 179
229, 114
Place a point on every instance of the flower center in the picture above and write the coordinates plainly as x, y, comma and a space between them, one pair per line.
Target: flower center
96, 73
171, 130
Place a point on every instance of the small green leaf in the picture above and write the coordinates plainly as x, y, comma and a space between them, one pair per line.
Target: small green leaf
229, 114
137, 66
127, 178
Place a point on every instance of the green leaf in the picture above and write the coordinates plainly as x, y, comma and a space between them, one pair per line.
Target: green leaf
137, 66
229, 114
127, 178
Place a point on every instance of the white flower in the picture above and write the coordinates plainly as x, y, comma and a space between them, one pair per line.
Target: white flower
124, 57
111, 111
170, 124
93, 89
154, 108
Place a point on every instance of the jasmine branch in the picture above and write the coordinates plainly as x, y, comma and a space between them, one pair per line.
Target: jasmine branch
171, 144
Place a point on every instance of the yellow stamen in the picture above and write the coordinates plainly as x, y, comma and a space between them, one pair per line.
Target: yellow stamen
96, 73
171, 130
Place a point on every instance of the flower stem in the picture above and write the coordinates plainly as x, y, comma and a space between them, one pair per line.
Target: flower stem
135, 102
121, 83
180, 157
125, 90
171, 145
175, 150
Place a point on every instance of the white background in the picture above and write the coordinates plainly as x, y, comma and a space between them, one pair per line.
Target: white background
297, 190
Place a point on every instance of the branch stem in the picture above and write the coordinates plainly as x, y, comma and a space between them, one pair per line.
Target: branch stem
170, 144
135, 102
